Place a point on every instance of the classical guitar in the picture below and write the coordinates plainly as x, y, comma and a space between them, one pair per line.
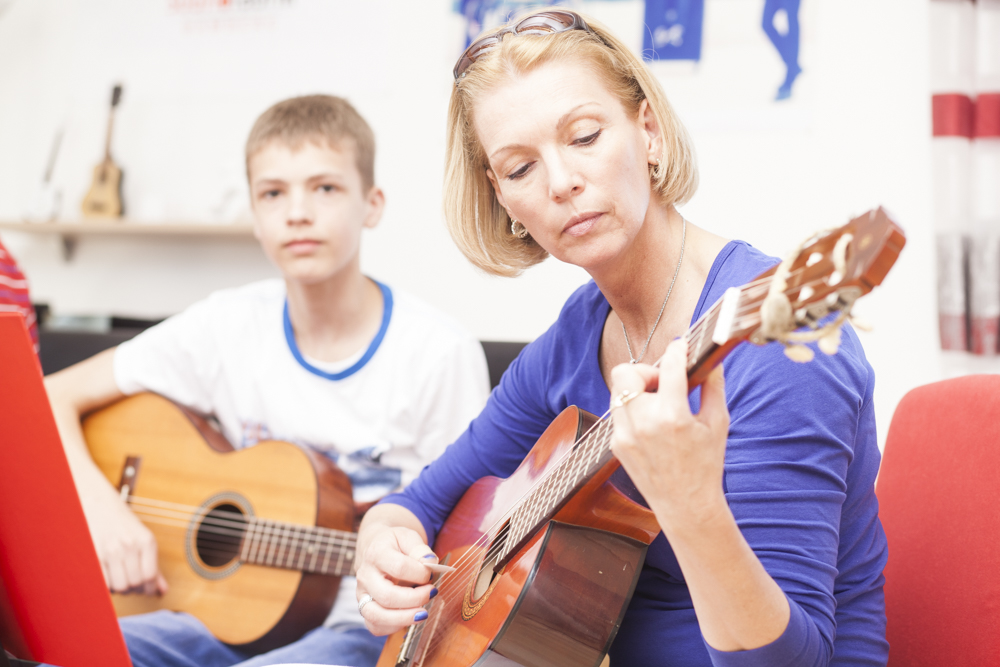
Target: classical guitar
104, 199
251, 542
546, 560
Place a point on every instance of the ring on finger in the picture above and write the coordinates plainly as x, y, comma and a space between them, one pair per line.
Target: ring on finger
622, 399
365, 599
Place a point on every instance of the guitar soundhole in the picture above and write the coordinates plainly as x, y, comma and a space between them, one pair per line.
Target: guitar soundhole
488, 570
220, 535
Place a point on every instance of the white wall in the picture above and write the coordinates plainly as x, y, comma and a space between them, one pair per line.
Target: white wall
855, 135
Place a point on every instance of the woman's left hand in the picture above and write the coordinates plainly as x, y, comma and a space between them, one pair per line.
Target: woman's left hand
674, 457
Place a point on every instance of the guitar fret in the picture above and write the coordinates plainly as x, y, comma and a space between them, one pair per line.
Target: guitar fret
247, 542
283, 543
314, 550
340, 558
303, 549
272, 543
326, 559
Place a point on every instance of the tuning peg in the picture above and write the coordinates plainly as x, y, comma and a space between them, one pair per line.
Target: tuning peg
799, 353
830, 343
859, 323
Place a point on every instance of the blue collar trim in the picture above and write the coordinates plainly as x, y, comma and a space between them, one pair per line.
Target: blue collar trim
369, 353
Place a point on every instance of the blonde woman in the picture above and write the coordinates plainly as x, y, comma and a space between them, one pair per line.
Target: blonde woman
562, 143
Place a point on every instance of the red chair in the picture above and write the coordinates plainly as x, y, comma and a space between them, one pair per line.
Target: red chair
939, 498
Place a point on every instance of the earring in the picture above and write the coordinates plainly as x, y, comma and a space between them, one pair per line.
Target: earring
655, 170
517, 229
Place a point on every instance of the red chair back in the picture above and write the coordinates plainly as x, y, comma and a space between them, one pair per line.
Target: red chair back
939, 501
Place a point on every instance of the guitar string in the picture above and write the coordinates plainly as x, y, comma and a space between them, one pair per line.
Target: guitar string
305, 534
695, 329
238, 520
292, 553
333, 543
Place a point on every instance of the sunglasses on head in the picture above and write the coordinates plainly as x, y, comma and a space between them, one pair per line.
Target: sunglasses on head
540, 23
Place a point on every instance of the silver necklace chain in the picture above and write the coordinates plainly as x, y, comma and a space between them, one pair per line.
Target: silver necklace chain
670, 289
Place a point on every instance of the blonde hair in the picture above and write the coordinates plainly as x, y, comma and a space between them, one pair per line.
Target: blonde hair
324, 119
478, 223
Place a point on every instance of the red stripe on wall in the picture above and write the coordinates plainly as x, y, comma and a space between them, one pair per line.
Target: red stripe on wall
952, 115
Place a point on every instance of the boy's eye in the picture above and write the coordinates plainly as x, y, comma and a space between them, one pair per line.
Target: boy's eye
587, 140
513, 176
326, 187
270, 194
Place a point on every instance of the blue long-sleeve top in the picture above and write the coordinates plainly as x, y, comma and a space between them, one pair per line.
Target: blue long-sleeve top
799, 477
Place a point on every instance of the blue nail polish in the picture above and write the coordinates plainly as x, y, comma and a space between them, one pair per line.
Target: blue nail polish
434, 592
420, 616
431, 556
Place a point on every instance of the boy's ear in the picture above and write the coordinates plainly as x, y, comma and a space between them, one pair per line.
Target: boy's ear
376, 204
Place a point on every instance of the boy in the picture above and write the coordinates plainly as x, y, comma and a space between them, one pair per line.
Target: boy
327, 357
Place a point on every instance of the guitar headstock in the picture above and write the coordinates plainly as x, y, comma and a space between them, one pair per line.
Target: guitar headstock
815, 288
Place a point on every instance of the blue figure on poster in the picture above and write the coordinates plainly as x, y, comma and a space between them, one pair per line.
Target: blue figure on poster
673, 29
786, 41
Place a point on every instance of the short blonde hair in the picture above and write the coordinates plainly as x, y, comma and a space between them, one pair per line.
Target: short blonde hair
324, 119
478, 223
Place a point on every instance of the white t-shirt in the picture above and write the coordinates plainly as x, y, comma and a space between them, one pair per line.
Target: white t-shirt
381, 415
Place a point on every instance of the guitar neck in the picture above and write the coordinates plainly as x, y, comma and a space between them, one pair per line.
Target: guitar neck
592, 452
292, 547
107, 139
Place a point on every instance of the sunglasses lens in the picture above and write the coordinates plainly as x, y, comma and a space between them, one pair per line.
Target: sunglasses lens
545, 23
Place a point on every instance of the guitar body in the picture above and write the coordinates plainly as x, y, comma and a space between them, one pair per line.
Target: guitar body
182, 460
104, 199
530, 613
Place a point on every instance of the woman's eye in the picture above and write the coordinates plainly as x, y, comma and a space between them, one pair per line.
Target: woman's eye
587, 140
519, 173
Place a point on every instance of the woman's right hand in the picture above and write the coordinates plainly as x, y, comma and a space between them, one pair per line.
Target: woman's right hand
125, 548
393, 570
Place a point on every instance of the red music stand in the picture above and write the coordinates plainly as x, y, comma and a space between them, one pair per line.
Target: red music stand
54, 604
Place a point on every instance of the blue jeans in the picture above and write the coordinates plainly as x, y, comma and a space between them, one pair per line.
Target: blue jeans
171, 639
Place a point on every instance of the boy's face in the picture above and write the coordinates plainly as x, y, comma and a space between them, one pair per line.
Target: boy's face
310, 206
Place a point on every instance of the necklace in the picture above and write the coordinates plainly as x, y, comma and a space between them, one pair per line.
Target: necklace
670, 289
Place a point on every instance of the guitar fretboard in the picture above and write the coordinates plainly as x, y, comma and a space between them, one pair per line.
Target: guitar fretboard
285, 545
593, 450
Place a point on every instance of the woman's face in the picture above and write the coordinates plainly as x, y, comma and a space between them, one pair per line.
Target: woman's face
568, 161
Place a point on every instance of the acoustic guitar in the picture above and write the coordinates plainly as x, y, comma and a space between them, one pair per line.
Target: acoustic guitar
104, 199
251, 542
546, 560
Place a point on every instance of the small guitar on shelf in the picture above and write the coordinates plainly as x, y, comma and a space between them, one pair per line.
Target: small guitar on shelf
252, 542
104, 199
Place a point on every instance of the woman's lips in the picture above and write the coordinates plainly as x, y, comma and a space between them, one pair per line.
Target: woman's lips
581, 224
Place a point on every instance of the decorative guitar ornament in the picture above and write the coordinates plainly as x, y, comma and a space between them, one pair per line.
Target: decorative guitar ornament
104, 199
252, 542
546, 560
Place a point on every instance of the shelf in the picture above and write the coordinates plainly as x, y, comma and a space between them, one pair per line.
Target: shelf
70, 232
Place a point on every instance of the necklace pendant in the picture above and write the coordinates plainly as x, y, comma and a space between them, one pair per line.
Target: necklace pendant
633, 361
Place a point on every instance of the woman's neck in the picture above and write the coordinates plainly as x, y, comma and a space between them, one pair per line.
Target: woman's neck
335, 318
637, 284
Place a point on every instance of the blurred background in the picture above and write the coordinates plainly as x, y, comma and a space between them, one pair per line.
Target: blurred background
804, 114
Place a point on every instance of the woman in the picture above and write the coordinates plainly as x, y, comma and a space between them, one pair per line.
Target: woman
771, 553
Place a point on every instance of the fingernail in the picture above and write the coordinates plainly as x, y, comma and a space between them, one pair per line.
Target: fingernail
420, 616
431, 556
434, 592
